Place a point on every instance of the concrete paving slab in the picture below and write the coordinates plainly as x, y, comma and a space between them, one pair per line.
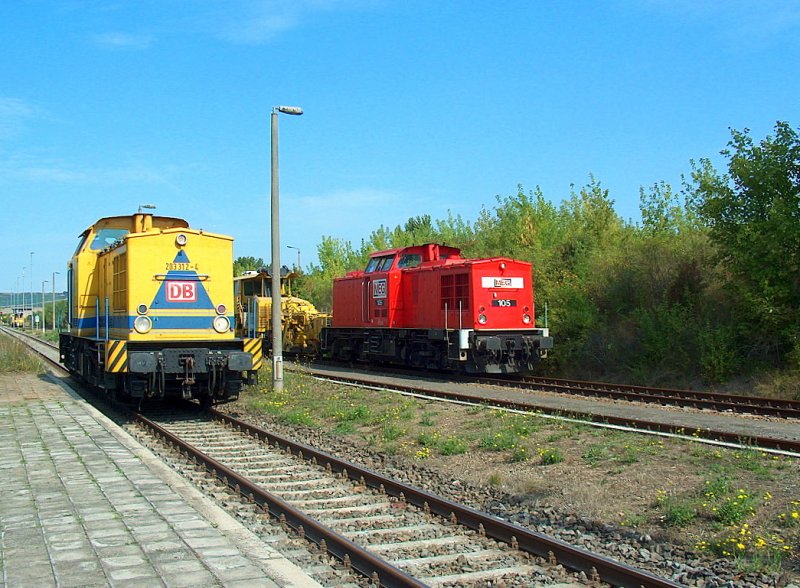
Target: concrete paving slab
85, 505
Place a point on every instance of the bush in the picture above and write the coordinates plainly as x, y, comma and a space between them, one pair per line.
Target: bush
719, 359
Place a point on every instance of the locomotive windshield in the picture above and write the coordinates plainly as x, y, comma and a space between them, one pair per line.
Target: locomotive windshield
379, 264
253, 287
105, 237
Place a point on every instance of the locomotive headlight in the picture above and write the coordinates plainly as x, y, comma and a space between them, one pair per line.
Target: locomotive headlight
221, 309
181, 239
482, 319
526, 318
142, 324
142, 309
221, 324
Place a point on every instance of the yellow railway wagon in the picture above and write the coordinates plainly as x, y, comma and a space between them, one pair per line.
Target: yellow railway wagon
302, 322
152, 312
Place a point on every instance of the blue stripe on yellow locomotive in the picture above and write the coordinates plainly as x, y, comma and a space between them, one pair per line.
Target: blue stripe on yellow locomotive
159, 322
160, 287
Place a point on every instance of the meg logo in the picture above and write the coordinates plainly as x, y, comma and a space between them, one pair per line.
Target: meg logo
379, 288
181, 291
498, 282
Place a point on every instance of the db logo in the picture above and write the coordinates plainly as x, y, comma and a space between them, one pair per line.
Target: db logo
181, 292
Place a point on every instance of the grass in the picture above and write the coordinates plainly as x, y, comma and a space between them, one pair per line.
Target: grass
453, 445
595, 454
15, 358
299, 417
519, 454
551, 456
392, 432
501, 440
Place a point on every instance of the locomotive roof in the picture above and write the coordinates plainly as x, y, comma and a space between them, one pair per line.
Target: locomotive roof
166, 222
446, 249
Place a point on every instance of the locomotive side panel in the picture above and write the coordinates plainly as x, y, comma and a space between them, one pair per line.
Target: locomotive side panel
422, 297
348, 302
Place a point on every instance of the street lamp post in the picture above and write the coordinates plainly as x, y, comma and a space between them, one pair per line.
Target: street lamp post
298, 255
53, 285
32, 325
22, 312
277, 335
43, 283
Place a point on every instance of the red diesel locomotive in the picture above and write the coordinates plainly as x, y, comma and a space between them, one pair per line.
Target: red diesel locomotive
426, 306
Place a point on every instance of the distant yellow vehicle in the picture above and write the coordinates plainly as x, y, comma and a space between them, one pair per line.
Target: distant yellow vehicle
151, 312
17, 320
302, 322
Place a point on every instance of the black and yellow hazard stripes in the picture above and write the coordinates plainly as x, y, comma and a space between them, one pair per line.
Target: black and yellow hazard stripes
254, 347
116, 357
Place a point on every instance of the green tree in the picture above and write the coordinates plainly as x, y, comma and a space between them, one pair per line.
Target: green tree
753, 213
455, 231
336, 258
243, 264
416, 231
662, 212
591, 226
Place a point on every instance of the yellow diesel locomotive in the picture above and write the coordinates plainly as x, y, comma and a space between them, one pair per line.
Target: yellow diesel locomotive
151, 312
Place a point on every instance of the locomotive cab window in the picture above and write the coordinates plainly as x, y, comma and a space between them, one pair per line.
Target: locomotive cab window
372, 264
379, 264
251, 288
409, 260
386, 264
106, 237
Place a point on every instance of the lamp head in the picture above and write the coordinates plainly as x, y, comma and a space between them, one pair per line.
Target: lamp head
294, 110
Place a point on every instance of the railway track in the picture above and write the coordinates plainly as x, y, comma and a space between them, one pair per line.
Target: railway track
520, 402
774, 407
782, 445
680, 398
390, 532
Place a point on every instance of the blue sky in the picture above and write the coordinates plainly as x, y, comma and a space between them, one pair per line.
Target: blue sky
411, 107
